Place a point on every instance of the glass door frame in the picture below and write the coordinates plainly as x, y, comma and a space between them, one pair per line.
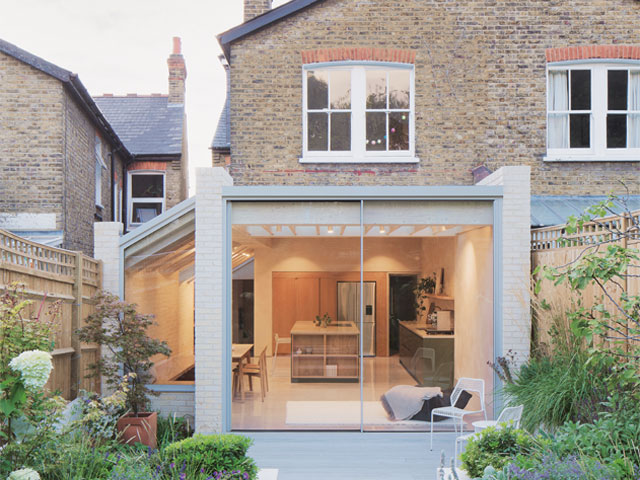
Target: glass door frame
493, 194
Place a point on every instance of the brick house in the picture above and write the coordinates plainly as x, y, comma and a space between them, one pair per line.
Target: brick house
368, 147
154, 129
58, 154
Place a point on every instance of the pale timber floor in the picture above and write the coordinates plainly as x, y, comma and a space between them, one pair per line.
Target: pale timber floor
351, 455
380, 374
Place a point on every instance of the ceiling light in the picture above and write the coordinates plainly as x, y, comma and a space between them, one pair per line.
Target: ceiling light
382, 230
330, 229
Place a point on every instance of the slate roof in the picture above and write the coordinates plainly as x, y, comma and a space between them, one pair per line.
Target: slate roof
147, 125
222, 137
262, 21
547, 210
73, 85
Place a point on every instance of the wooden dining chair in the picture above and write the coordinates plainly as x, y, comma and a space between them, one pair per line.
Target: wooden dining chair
256, 370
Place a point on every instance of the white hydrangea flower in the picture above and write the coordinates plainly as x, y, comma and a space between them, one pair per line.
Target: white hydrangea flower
34, 366
24, 474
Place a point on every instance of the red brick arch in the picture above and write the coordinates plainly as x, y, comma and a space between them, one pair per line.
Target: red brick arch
147, 166
588, 52
358, 54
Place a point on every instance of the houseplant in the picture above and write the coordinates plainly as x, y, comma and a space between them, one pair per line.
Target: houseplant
122, 330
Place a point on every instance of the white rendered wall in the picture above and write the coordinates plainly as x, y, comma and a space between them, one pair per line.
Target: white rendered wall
106, 241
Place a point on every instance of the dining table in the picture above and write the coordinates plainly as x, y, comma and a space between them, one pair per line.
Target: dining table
241, 353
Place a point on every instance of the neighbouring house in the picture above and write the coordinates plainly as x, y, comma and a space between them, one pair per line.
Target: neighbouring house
61, 163
372, 156
154, 129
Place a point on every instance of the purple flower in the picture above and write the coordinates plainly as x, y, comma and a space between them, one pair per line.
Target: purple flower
172, 465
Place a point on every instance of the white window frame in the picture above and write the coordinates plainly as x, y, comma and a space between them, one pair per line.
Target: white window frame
358, 152
131, 200
99, 166
598, 151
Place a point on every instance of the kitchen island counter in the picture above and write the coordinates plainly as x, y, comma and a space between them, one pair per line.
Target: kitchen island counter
328, 354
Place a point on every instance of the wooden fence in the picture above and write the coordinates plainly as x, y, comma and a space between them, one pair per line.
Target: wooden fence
547, 250
54, 274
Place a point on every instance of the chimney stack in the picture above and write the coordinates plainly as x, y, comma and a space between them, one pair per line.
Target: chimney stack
253, 8
177, 73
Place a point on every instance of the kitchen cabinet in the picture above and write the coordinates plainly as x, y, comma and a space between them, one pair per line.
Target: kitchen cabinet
429, 359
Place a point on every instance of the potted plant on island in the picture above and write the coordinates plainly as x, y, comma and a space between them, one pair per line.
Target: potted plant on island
122, 330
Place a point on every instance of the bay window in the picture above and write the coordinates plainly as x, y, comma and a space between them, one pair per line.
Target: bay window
358, 113
593, 112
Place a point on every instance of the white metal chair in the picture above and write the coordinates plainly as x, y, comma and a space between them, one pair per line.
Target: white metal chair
471, 385
279, 340
423, 353
510, 417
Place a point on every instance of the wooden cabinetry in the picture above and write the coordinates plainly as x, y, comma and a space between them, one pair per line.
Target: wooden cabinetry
324, 354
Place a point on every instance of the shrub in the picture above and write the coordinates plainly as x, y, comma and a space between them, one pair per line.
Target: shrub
567, 468
173, 429
494, 447
117, 326
212, 454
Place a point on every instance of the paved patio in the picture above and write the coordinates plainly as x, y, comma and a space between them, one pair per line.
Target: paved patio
351, 455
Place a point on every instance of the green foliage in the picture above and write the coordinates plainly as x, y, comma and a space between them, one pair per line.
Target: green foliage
117, 326
495, 447
20, 332
425, 286
173, 429
213, 453
555, 390
322, 321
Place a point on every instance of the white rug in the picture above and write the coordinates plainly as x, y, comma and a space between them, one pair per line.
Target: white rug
341, 414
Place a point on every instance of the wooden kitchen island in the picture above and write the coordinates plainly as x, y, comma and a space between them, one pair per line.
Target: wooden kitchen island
325, 354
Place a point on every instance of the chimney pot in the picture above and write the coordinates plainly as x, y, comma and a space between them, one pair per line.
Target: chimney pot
177, 46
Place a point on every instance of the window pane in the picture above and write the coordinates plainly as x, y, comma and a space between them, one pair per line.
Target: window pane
617, 89
147, 186
399, 131
580, 90
579, 130
376, 128
317, 89
558, 90
376, 89
340, 131
558, 129
399, 88
616, 131
341, 89
317, 126
143, 212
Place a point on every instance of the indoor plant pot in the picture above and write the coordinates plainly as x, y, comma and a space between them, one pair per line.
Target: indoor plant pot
138, 428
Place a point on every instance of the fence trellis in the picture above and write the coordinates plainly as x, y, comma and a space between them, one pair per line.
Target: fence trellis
54, 274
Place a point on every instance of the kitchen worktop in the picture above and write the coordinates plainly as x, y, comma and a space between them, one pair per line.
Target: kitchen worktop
415, 327
310, 328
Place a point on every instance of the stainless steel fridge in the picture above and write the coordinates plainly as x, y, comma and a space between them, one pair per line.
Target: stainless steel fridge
349, 311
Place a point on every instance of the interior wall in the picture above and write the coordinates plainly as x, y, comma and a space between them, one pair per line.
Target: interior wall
440, 253
172, 304
396, 255
473, 292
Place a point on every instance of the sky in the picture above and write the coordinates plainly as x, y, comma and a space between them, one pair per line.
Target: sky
122, 46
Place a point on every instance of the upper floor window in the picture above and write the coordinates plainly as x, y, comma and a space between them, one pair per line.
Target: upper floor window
146, 196
358, 113
99, 166
593, 112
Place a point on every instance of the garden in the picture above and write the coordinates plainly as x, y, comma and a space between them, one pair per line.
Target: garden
580, 387
43, 436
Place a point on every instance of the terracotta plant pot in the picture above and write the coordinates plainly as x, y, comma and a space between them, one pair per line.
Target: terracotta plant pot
138, 428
